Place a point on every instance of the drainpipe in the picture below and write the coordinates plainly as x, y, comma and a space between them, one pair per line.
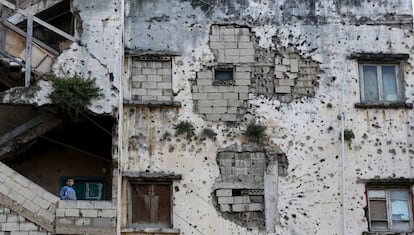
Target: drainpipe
120, 73
341, 116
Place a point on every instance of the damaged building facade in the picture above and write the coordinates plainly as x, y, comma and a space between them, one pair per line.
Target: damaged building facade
213, 117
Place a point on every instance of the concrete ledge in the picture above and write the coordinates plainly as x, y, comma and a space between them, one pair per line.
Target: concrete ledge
153, 103
85, 230
151, 230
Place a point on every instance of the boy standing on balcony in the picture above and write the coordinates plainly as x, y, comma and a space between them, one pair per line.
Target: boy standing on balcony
67, 192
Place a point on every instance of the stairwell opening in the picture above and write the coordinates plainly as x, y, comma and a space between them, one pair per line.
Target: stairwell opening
81, 149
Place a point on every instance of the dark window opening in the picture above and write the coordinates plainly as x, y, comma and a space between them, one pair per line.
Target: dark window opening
223, 74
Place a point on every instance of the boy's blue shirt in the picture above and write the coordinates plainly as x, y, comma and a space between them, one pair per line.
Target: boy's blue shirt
67, 193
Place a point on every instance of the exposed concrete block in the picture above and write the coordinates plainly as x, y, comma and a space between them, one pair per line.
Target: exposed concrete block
285, 61
204, 82
89, 213
23, 181
238, 199
65, 221
10, 226
283, 89
227, 31
218, 109
243, 38
108, 213
230, 45
72, 212
60, 212
286, 82
12, 218
235, 103
139, 77
240, 207
101, 222
200, 96
164, 71
154, 78
243, 82
149, 85
242, 89
83, 222
245, 45
243, 96
247, 52
157, 65
67, 204
205, 110
225, 208
255, 207
209, 89
230, 96
41, 202
28, 227
242, 76
140, 91
231, 52
225, 200
103, 205
3, 218
224, 193
215, 30
166, 78
247, 59
280, 68
243, 68
213, 117
243, 31
226, 88
219, 103
205, 103
31, 206
215, 96
228, 38
148, 71
214, 38
294, 66
232, 59
205, 74
154, 92
218, 45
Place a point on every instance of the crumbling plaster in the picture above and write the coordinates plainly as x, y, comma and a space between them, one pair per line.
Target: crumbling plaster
306, 129
96, 55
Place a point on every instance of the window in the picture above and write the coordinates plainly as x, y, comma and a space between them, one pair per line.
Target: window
380, 83
224, 72
150, 204
389, 209
87, 188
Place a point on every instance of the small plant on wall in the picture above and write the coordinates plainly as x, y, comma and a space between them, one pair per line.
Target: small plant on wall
71, 94
348, 135
255, 131
184, 128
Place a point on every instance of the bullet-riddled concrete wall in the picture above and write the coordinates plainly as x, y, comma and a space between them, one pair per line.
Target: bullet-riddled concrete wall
304, 126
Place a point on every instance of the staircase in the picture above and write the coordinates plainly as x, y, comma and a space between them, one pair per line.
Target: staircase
20, 137
27, 198
21, 51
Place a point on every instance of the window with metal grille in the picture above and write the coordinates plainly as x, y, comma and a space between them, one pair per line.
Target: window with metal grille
389, 209
150, 204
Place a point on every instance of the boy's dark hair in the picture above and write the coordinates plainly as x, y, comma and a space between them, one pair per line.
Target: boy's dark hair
70, 178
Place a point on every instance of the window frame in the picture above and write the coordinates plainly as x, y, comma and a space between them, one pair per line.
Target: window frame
387, 191
227, 68
379, 65
129, 206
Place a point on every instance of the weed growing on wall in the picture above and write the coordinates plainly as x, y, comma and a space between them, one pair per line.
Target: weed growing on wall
185, 128
71, 94
255, 131
348, 135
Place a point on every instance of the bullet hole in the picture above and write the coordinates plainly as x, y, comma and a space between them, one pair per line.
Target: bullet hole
176, 189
